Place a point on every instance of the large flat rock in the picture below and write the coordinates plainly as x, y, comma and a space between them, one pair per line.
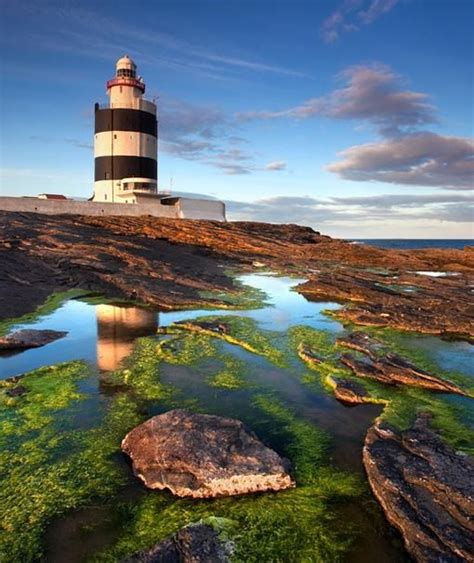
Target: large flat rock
201, 456
426, 490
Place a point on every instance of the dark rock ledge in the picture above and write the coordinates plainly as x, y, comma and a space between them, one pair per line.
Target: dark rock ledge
426, 490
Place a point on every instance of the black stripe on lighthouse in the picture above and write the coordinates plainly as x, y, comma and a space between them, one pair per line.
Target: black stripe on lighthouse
119, 119
118, 167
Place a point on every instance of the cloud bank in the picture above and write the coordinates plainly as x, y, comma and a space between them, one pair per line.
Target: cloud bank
356, 211
373, 93
376, 95
421, 159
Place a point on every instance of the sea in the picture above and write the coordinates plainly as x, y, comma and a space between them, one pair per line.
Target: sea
403, 244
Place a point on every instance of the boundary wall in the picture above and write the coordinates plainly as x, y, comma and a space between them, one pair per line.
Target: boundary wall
194, 209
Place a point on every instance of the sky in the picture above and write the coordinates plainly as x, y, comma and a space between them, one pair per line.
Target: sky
354, 117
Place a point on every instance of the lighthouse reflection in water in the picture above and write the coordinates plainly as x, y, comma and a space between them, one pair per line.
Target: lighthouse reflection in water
117, 328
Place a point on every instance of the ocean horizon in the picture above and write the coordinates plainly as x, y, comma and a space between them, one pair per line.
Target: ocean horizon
417, 243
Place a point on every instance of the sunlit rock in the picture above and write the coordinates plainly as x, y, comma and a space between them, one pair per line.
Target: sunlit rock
200, 456
23, 339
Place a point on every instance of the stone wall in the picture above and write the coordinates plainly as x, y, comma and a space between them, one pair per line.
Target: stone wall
174, 207
72, 207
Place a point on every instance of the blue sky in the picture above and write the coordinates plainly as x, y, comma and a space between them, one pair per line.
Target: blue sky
352, 116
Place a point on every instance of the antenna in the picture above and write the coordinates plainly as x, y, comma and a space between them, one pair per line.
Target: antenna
171, 184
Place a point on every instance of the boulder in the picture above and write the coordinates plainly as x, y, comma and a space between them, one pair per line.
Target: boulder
196, 543
201, 456
29, 338
426, 490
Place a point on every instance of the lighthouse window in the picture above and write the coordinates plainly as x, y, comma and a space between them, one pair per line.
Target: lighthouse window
115, 136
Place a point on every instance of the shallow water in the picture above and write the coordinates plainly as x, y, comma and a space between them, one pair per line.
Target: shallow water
104, 335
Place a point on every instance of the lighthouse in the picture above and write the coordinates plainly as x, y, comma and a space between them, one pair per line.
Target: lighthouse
126, 140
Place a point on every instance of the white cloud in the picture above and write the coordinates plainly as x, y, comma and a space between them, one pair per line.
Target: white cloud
276, 165
373, 93
422, 159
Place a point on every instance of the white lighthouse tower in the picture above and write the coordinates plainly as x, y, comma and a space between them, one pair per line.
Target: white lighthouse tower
126, 140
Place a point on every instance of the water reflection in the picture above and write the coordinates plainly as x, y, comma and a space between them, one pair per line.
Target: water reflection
117, 328
101, 334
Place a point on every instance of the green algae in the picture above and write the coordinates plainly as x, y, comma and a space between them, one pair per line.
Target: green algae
51, 467
141, 372
52, 303
46, 469
293, 525
244, 297
451, 417
243, 332
193, 348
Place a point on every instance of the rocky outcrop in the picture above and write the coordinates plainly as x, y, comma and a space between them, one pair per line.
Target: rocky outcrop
348, 391
399, 298
426, 490
24, 339
200, 456
168, 263
197, 543
392, 369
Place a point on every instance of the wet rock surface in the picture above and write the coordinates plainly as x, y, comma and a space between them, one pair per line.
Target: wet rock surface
17, 391
426, 490
392, 369
362, 342
402, 299
217, 327
201, 456
307, 354
197, 543
348, 391
24, 339
167, 263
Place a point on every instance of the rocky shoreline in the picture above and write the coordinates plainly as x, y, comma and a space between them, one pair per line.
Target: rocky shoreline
168, 263
423, 485
425, 489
